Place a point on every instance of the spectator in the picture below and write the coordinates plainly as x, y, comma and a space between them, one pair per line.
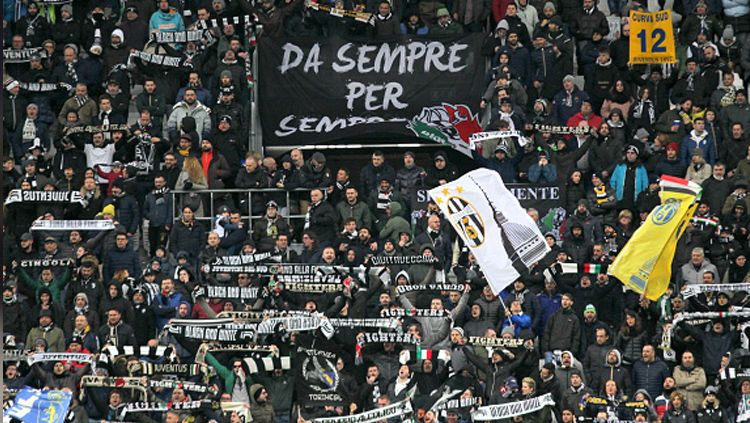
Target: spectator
649, 372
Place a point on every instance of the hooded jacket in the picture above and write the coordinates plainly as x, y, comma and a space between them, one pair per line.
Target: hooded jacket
169, 21
615, 372
261, 412
119, 302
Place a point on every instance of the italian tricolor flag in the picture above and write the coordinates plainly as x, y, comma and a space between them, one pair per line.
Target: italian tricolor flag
592, 268
423, 354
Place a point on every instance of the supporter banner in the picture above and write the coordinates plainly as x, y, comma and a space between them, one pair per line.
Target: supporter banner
541, 197
64, 356
574, 268
318, 381
184, 385
234, 292
233, 20
94, 129
110, 352
424, 87
312, 284
731, 373
495, 342
113, 382
237, 264
666, 340
366, 323
652, 38
458, 403
160, 59
28, 196
381, 337
289, 324
150, 406
400, 289
268, 364
414, 312
241, 348
35, 405
401, 260
231, 333
14, 355
693, 290
645, 263
23, 55
561, 129
178, 36
398, 410
72, 225
518, 408
46, 263
44, 87
493, 225
363, 17
179, 369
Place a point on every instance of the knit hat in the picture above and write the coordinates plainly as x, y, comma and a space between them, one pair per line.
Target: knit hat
109, 209
508, 330
589, 309
698, 152
501, 147
550, 5
728, 33
76, 340
632, 148
641, 134
67, 8
82, 295
460, 331
12, 84
442, 12
118, 183
257, 393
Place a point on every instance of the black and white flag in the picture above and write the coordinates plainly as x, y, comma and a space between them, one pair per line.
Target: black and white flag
492, 223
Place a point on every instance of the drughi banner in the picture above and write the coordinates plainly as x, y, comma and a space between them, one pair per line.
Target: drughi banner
422, 87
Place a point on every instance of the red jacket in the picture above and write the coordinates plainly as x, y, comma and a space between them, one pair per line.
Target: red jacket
110, 177
594, 121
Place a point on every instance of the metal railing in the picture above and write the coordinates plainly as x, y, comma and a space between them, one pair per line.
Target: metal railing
252, 193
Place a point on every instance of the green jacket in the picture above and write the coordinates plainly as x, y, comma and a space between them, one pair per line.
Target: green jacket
226, 374
55, 287
395, 224
359, 211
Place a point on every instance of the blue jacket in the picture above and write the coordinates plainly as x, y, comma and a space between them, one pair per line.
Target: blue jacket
128, 212
691, 142
158, 209
116, 259
543, 174
520, 322
165, 308
617, 181
561, 111
549, 305
166, 21
506, 168
520, 61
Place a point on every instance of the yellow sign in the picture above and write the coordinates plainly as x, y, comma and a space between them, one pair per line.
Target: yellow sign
651, 38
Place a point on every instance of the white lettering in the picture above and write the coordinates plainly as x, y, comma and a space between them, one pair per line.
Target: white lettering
313, 59
341, 54
287, 62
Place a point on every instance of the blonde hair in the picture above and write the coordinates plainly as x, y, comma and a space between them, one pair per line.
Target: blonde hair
193, 167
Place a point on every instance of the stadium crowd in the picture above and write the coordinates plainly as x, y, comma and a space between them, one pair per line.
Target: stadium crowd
81, 115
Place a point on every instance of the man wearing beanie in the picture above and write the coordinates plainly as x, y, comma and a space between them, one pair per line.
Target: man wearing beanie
260, 404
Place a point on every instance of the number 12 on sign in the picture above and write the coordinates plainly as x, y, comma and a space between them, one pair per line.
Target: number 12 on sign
654, 38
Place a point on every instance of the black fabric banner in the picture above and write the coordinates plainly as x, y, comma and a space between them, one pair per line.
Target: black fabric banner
541, 197
422, 87
401, 260
318, 381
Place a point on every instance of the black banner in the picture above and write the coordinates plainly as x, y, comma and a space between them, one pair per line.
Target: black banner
541, 197
425, 87
318, 380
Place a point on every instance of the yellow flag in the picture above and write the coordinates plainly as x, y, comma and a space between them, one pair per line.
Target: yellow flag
651, 38
645, 264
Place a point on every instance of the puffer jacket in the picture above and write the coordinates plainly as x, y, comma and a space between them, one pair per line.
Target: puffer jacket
650, 376
408, 179
737, 14
563, 332
586, 22
262, 412
630, 346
